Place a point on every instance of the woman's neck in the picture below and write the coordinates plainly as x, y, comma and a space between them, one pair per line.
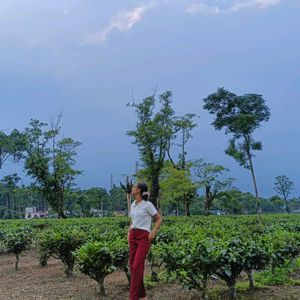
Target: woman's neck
138, 199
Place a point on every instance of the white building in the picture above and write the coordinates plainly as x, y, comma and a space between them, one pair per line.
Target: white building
32, 213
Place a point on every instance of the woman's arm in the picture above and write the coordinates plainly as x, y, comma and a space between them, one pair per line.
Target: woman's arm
128, 232
158, 221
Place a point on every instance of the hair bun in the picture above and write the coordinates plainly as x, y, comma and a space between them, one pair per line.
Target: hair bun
145, 195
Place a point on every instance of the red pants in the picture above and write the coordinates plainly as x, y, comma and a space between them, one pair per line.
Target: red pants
139, 247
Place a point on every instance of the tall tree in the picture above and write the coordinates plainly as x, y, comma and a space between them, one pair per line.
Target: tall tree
284, 186
50, 162
183, 126
12, 146
152, 134
207, 176
240, 116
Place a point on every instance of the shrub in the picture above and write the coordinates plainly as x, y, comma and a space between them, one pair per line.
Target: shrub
16, 240
61, 244
95, 260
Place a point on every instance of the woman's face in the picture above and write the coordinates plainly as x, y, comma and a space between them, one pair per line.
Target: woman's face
135, 190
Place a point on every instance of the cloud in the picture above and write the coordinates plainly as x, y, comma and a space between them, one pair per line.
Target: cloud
200, 7
261, 4
122, 22
126, 20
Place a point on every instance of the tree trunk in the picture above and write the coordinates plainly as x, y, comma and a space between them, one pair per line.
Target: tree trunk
204, 295
287, 208
251, 279
208, 200
69, 270
61, 214
188, 212
206, 207
17, 261
7, 206
204, 290
154, 193
128, 202
101, 284
232, 292
259, 210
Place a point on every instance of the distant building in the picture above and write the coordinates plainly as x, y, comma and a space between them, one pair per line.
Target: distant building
119, 213
217, 212
32, 213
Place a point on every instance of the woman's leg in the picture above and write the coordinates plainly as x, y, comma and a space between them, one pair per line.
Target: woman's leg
132, 252
137, 289
143, 293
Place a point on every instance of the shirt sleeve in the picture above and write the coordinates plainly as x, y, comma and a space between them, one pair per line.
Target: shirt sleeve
129, 213
151, 209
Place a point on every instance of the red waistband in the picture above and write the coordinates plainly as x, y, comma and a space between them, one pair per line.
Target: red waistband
138, 230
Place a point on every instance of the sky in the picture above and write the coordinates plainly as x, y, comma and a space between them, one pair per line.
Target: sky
87, 59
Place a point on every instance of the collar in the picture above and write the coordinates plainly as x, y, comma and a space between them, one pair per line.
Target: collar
137, 204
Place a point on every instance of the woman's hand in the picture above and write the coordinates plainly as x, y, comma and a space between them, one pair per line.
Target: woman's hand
151, 236
158, 221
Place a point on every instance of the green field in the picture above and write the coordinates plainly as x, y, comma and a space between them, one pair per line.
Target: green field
206, 255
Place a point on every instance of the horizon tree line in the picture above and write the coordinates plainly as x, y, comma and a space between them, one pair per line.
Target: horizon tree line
160, 136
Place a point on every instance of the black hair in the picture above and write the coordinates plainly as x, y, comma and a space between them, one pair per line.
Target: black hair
144, 188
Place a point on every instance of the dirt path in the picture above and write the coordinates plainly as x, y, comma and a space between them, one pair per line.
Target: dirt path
33, 282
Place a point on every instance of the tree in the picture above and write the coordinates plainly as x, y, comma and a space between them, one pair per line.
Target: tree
9, 186
183, 126
207, 176
294, 204
127, 187
277, 202
152, 135
240, 116
177, 187
12, 146
99, 198
117, 198
230, 202
50, 162
284, 186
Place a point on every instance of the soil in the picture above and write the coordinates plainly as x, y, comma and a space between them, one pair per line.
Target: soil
34, 282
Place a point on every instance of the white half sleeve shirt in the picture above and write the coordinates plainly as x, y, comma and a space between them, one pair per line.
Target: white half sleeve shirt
141, 214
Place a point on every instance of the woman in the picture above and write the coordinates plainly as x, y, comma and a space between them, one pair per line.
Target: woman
139, 237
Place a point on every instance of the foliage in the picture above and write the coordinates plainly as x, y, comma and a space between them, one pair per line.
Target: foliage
61, 244
191, 262
17, 240
207, 176
284, 186
152, 134
176, 186
12, 146
95, 260
191, 249
50, 162
240, 116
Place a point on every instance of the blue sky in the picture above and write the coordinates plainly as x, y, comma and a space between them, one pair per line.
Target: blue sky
87, 59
